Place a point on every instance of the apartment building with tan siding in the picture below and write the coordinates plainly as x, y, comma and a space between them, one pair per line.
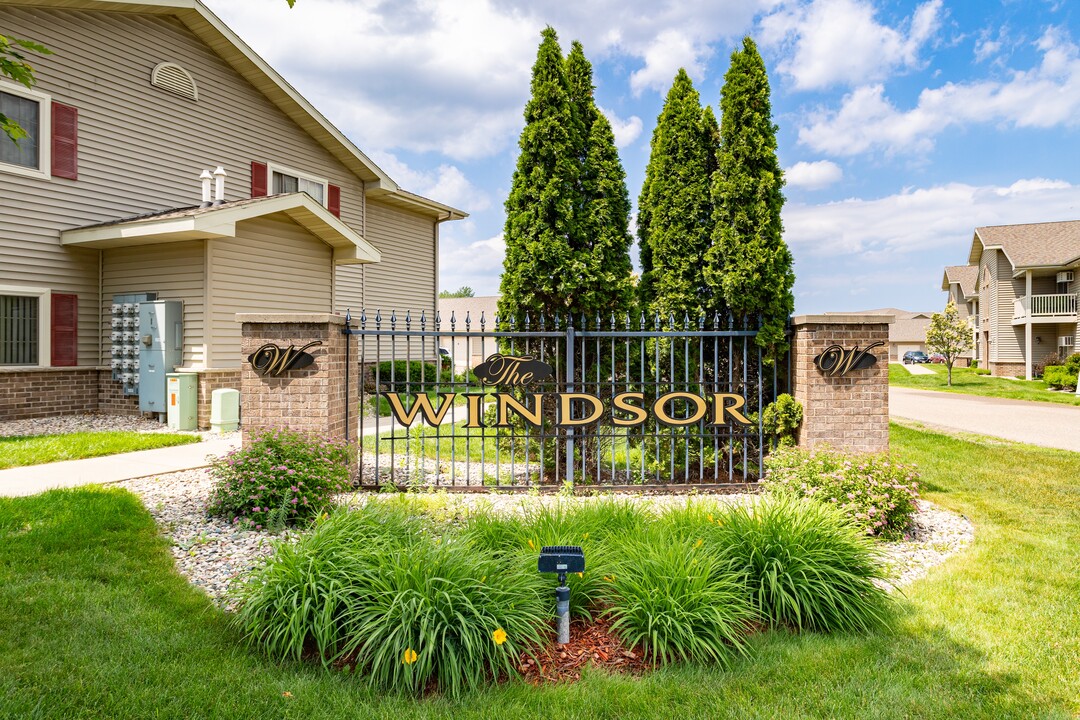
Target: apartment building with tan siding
105, 198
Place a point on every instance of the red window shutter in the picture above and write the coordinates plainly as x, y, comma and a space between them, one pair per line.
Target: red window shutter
65, 141
64, 330
333, 200
258, 179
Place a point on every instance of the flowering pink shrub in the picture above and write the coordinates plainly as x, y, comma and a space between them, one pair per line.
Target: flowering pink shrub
281, 478
875, 491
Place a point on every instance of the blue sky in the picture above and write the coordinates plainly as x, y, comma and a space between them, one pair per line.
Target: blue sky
903, 125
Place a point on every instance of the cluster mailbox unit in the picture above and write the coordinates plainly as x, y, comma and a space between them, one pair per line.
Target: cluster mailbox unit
147, 342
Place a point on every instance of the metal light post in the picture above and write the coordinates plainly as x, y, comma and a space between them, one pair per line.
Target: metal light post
562, 559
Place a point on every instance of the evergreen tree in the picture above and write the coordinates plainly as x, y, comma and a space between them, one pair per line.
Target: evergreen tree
749, 263
675, 207
567, 243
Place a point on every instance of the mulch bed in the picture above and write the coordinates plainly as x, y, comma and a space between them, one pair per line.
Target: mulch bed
591, 643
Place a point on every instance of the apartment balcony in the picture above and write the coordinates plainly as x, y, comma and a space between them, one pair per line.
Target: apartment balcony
1044, 309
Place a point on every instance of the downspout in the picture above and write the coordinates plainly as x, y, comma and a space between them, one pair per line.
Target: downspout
100, 308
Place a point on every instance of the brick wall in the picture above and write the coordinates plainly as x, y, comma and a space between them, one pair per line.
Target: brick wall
47, 391
112, 400
209, 381
1006, 369
311, 399
849, 411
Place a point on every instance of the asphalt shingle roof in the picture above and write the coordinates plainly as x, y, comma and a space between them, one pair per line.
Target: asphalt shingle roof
1032, 245
966, 275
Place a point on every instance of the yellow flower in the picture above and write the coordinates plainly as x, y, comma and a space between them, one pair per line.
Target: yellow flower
709, 516
286, 694
699, 543
581, 575
531, 545
609, 579
585, 536
409, 658
499, 636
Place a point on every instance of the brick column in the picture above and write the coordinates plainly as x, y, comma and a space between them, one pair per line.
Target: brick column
311, 399
849, 411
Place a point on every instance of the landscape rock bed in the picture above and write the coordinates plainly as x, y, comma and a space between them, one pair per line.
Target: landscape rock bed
87, 422
212, 553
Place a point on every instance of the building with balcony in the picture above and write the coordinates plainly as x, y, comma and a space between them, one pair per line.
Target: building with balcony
1024, 303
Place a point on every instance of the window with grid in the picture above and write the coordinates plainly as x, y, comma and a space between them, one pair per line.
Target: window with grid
285, 183
19, 323
27, 113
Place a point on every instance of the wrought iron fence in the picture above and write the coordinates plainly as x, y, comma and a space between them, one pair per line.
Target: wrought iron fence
676, 379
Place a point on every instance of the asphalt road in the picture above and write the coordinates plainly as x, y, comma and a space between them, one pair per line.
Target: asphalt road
1037, 423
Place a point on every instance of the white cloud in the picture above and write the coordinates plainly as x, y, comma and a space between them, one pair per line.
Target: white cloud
840, 42
813, 175
625, 131
446, 183
478, 264
923, 219
664, 56
1044, 96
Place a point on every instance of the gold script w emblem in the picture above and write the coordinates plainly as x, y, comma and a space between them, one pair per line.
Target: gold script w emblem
273, 360
836, 360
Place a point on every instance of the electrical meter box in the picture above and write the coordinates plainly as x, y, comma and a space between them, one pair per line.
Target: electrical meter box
182, 389
125, 313
160, 345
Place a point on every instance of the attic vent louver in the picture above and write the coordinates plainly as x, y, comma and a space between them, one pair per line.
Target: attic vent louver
175, 79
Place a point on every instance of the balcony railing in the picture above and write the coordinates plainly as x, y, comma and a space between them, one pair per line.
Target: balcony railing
1037, 306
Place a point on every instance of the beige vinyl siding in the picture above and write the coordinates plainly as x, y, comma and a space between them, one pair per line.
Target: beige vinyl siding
349, 288
141, 148
274, 265
989, 293
404, 281
175, 271
1010, 347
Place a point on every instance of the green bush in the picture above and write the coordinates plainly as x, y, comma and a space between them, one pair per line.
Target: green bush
781, 419
678, 599
1072, 364
981, 371
378, 593
1058, 377
974, 364
807, 566
281, 478
876, 492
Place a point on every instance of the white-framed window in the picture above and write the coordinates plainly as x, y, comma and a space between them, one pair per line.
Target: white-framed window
286, 180
24, 326
31, 110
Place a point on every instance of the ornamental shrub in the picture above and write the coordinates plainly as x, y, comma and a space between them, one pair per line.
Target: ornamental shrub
1072, 364
281, 478
781, 419
874, 491
1058, 377
807, 566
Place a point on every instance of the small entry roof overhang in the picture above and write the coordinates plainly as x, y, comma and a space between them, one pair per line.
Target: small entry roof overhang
219, 221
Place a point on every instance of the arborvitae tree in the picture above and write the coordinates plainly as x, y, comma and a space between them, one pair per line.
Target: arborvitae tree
567, 243
675, 208
749, 263
605, 286
541, 222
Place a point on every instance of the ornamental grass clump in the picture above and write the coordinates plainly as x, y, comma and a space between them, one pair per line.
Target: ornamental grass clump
807, 567
678, 599
874, 490
281, 478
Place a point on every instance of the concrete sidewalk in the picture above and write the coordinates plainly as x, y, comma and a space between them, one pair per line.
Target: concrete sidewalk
1037, 423
33, 479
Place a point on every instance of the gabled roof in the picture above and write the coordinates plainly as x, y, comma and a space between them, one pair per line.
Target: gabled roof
1035, 245
227, 44
909, 329
219, 221
966, 276
896, 313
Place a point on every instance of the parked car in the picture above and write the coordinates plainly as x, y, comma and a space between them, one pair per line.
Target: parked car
912, 357
937, 358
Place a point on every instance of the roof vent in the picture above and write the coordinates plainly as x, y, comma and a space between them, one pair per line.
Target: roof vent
175, 79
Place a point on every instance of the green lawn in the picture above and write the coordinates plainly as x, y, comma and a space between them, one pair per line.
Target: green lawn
98, 624
37, 449
967, 382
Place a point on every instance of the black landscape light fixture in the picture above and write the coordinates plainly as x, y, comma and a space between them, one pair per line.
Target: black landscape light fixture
562, 559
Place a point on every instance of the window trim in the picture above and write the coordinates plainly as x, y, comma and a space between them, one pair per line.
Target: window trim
272, 167
44, 296
44, 132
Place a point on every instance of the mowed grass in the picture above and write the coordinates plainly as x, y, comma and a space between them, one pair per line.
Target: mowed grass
17, 451
965, 381
98, 624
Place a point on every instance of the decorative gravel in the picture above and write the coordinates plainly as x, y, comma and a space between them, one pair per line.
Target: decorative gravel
88, 422
212, 553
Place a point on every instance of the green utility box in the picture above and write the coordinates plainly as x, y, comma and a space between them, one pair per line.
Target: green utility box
224, 410
182, 395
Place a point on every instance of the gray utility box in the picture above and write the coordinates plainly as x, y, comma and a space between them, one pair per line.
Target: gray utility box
161, 349
125, 361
